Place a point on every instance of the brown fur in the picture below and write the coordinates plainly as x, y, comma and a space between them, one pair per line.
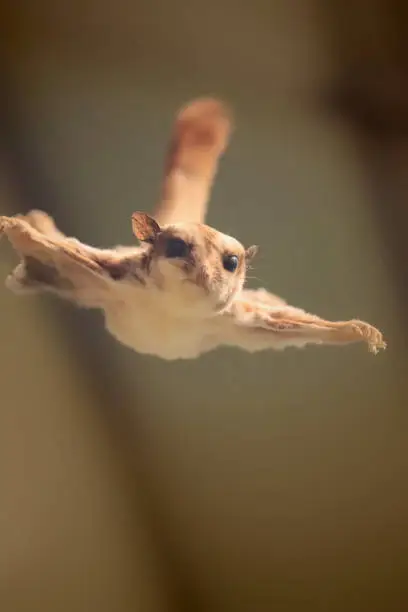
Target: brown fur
200, 136
173, 307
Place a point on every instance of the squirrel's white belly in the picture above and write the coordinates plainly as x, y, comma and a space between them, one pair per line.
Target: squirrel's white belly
147, 328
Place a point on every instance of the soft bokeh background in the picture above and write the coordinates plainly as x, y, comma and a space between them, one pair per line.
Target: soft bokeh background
232, 483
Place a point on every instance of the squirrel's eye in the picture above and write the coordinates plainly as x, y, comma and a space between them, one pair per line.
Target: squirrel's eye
175, 247
230, 262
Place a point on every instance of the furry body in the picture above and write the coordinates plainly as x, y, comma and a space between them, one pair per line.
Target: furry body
181, 292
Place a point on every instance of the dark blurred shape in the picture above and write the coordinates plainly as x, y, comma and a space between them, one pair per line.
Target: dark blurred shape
370, 89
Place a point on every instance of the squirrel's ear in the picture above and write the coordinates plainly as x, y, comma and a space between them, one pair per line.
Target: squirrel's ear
251, 252
145, 228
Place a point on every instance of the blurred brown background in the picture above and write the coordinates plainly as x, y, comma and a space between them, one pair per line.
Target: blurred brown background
232, 483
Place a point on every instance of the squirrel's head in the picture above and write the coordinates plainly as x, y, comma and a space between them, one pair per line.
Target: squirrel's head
195, 266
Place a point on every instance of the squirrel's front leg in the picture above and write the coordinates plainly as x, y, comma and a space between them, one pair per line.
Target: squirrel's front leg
255, 327
54, 263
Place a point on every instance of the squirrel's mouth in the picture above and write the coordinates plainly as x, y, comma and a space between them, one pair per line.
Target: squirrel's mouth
198, 285
218, 303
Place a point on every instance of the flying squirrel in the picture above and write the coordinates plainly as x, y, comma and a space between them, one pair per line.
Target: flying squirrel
180, 292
